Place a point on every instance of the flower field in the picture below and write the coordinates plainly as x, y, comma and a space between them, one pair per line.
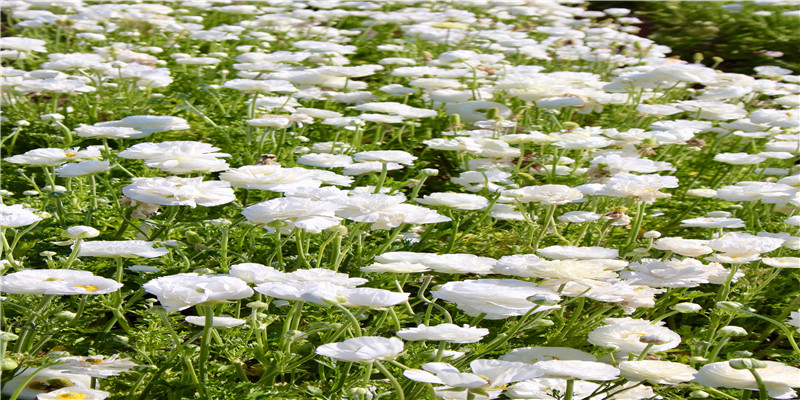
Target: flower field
390, 200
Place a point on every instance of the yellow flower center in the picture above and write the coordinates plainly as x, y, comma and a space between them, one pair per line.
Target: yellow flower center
70, 153
88, 288
52, 280
71, 396
93, 361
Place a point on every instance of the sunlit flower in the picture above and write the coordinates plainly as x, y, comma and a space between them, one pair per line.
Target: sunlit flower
362, 349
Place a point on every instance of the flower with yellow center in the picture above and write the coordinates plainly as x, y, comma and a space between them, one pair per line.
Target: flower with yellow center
74, 393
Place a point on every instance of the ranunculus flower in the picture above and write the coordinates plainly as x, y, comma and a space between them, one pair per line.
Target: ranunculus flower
362, 349
181, 291
778, 378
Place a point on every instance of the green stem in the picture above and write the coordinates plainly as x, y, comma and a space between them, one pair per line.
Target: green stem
205, 342
551, 209
179, 346
382, 178
396, 385
762, 388
352, 318
570, 389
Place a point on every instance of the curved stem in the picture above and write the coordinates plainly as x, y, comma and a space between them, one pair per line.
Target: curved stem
397, 388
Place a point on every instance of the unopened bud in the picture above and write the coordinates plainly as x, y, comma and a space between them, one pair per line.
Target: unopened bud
652, 235
193, 238
430, 172
492, 113
698, 58
687, 307
747, 363
66, 315
455, 120
699, 394
733, 331
569, 126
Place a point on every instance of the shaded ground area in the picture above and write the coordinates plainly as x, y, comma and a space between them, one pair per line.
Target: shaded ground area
742, 35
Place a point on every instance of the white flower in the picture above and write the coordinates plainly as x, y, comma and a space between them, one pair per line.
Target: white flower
362, 349
778, 378
532, 355
473, 111
641, 187
325, 160
261, 86
120, 248
109, 132
279, 179
488, 375
546, 389
15, 216
660, 372
396, 109
82, 168
149, 123
713, 222
178, 157
43, 381
73, 392
624, 334
577, 369
321, 293
545, 194
95, 366
794, 319
56, 282
385, 156
181, 291
217, 322
497, 298
450, 333
372, 298
81, 232
575, 252
461, 201
52, 156
295, 212
176, 191
684, 247
579, 217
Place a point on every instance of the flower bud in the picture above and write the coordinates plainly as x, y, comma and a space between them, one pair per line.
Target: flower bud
430, 172
7, 336
687, 307
8, 364
699, 394
747, 363
729, 305
569, 126
257, 304
733, 331
357, 391
47, 253
455, 120
66, 315
741, 354
652, 235
698, 359
193, 238
81, 232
